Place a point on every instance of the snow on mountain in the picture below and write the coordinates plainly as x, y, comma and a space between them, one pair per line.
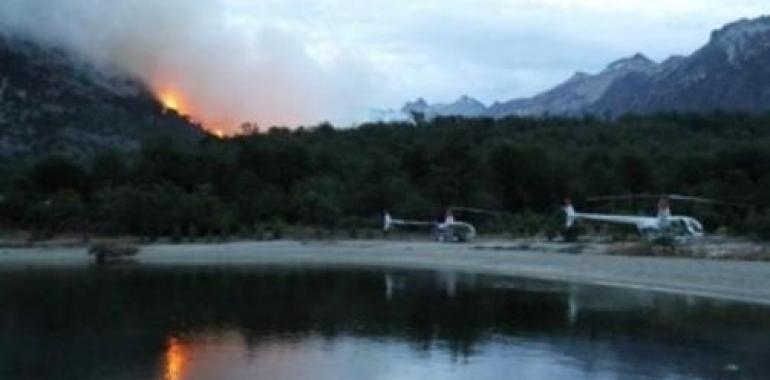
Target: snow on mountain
464, 106
731, 72
578, 92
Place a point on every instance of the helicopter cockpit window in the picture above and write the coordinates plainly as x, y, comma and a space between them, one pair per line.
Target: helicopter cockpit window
677, 227
694, 226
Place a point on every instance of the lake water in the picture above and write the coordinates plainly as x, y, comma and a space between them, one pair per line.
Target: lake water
294, 323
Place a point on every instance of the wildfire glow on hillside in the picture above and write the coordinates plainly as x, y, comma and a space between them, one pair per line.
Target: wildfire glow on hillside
213, 62
174, 100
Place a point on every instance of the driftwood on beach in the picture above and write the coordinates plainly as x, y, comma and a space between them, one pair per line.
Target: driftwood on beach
108, 252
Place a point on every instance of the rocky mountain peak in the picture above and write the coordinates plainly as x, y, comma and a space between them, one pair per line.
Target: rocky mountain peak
467, 100
741, 30
464, 106
420, 105
740, 37
637, 62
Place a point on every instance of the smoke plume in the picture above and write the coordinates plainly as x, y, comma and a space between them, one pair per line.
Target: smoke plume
220, 68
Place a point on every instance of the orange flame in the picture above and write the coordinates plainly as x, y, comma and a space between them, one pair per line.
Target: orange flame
172, 100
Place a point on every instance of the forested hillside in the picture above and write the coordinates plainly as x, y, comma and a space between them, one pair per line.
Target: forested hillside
53, 101
345, 178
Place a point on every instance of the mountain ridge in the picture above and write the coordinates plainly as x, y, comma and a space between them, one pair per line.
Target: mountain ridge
730, 72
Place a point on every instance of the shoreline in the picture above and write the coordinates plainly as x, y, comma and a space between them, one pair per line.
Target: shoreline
715, 279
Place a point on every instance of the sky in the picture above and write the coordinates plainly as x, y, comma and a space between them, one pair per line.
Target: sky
291, 62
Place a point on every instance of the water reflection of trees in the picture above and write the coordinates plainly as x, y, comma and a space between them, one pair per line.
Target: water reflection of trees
125, 318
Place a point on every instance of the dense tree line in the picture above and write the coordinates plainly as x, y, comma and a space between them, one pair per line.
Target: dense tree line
345, 178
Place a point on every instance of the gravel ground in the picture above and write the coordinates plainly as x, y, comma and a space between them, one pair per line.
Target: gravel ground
733, 280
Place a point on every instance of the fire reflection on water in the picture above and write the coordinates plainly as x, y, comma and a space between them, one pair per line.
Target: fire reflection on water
176, 359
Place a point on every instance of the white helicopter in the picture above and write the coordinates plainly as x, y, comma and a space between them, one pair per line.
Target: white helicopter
650, 227
450, 230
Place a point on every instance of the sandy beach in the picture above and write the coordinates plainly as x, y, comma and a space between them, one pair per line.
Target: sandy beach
729, 280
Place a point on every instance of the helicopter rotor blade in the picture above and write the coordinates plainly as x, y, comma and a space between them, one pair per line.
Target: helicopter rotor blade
673, 197
477, 210
621, 197
688, 198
